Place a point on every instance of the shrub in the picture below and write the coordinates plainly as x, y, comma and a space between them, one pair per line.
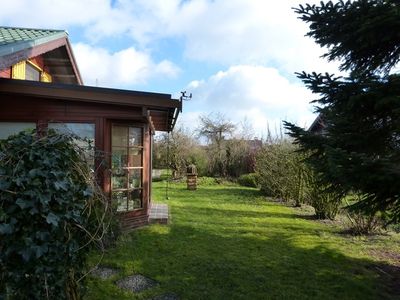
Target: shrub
361, 223
50, 214
282, 173
325, 202
206, 181
364, 224
250, 180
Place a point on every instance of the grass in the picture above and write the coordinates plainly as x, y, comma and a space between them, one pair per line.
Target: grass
228, 242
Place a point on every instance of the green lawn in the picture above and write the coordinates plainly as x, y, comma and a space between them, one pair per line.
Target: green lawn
228, 242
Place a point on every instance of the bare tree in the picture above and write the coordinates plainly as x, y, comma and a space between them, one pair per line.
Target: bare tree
175, 151
216, 128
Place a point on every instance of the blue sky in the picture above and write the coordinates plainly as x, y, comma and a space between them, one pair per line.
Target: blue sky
237, 57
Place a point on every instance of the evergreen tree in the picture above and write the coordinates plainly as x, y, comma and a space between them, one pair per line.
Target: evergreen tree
360, 148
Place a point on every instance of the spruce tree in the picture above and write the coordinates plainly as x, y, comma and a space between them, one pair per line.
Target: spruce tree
360, 148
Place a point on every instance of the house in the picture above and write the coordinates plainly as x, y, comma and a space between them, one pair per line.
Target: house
41, 87
318, 125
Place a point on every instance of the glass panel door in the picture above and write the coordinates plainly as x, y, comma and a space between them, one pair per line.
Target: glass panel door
127, 166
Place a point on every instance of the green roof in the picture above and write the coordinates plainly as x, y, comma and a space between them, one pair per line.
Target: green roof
14, 39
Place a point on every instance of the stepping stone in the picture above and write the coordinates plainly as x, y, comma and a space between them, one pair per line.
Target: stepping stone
158, 213
169, 296
104, 272
136, 283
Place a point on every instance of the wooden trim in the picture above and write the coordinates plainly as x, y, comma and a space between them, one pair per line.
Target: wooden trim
73, 62
45, 77
88, 94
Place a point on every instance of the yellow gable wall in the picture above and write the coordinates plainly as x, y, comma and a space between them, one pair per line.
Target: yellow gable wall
18, 71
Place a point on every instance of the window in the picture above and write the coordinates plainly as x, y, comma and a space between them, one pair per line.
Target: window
10, 128
31, 73
82, 130
127, 167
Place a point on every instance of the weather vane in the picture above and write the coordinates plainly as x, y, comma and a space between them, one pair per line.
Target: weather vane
186, 97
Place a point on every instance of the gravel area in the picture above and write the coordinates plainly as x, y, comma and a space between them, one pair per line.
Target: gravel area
104, 272
136, 283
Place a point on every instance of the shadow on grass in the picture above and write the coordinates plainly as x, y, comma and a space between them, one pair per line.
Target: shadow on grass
199, 264
232, 213
240, 252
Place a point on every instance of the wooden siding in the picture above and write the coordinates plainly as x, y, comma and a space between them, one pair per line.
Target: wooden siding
6, 73
37, 61
18, 70
20, 108
160, 107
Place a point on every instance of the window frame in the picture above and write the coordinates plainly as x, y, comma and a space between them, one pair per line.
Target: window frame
34, 67
128, 190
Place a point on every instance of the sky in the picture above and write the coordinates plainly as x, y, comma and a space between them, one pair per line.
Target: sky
238, 58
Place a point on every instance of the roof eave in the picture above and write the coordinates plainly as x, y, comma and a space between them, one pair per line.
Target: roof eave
16, 47
71, 92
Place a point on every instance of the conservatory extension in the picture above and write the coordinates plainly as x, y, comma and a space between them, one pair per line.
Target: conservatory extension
119, 123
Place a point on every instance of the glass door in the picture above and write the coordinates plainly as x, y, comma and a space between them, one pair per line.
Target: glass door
127, 167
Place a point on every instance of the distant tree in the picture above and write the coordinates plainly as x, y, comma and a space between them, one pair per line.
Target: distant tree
360, 150
215, 128
176, 151
239, 158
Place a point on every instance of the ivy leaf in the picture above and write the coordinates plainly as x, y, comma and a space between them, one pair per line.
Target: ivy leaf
6, 229
88, 192
61, 185
26, 253
4, 185
52, 219
44, 198
23, 203
40, 250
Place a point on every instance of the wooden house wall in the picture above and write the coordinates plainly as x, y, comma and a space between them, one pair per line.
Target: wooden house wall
6, 73
38, 61
28, 109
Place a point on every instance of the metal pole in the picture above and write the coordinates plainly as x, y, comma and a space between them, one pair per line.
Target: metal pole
168, 167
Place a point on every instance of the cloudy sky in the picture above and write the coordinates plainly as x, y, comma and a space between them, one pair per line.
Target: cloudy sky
237, 57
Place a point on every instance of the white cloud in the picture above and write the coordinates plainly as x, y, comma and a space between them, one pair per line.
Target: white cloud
260, 94
227, 32
119, 69
53, 14
257, 42
247, 32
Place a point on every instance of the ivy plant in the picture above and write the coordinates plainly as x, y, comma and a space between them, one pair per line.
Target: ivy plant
50, 215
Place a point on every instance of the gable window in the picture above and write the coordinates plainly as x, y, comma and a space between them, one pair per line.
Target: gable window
31, 72
27, 70
127, 167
